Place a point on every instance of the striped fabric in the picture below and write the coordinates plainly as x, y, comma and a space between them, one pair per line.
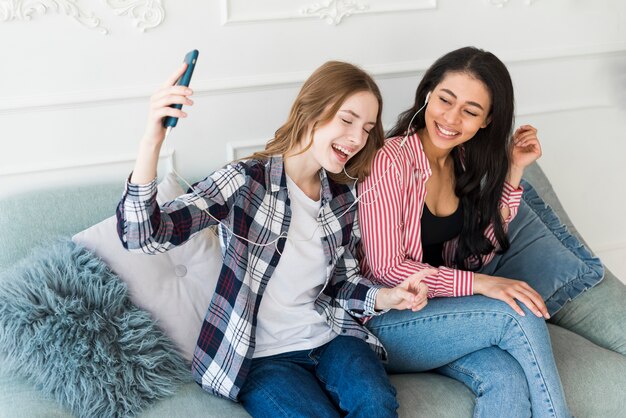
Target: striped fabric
392, 200
251, 198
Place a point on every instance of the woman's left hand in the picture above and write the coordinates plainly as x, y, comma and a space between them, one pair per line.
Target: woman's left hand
510, 291
526, 147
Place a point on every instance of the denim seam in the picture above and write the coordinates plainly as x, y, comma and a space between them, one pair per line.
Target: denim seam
436, 316
480, 391
469, 373
534, 356
330, 388
270, 397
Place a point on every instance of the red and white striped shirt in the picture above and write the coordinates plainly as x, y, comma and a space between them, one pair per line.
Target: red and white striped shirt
390, 210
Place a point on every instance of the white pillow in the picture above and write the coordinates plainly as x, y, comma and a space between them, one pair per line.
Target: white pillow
176, 286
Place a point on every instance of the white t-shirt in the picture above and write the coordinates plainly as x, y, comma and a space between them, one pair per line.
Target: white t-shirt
287, 319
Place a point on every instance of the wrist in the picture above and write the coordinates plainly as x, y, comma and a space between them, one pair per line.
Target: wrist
381, 302
479, 281
151, 142
514, 175
145, 169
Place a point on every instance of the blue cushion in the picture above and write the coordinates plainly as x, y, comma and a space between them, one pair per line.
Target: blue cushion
67, 325
545, 254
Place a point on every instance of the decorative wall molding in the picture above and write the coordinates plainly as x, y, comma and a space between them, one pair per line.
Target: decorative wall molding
332, 11
167, 155
106, 97
240, 149
145, 14
25, 9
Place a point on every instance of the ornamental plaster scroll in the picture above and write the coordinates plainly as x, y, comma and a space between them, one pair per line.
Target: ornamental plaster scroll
333, 11
25, 9
145, 14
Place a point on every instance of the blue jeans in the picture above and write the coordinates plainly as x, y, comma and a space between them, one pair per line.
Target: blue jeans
341, 378
465, 338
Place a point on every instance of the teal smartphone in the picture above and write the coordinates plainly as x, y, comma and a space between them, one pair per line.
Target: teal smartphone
190, 59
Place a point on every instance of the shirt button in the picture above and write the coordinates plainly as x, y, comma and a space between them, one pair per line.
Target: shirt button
180, 270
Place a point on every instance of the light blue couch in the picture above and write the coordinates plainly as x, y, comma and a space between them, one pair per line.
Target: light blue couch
594, 378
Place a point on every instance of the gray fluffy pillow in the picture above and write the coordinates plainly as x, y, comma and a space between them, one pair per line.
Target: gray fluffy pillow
68, 326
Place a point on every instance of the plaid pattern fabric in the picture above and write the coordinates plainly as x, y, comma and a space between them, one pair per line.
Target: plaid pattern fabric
251, 198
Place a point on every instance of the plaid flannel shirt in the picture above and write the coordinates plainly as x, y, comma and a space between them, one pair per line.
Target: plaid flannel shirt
251, 198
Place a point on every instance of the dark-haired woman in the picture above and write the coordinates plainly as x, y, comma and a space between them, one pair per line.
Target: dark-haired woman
441, 193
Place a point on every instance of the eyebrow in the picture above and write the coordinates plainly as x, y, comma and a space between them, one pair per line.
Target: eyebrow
469, 103
356, 116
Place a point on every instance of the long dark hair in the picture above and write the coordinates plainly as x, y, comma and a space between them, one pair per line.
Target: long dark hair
480, 164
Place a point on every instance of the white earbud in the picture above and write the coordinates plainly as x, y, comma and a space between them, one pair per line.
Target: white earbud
411, 122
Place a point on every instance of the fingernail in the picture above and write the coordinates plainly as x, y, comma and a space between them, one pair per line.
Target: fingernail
521, 313
547, 316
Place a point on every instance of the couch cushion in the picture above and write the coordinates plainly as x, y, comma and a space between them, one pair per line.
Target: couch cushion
175, 286
599, 314
34, 218
593, 377
545, 254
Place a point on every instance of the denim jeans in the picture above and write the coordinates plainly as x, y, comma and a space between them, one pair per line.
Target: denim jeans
341, 378
466, 338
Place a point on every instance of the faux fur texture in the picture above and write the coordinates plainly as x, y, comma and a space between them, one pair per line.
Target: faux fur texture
67, 325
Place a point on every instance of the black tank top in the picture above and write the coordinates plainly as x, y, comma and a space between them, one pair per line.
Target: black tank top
436, 230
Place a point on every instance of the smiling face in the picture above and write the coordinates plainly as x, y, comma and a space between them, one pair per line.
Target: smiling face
345, 134
457, 108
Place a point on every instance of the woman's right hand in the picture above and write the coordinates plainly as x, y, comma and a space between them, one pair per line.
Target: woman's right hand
160, 103
509, 290
412, 293
150, 146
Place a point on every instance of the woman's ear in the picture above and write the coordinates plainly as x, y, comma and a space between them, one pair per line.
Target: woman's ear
486, 122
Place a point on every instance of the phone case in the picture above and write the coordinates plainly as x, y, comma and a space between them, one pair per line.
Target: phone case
190, 59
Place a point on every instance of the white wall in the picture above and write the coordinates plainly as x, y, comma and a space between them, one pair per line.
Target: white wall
73, 100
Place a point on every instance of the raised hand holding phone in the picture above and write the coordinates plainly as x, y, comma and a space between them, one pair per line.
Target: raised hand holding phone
190, 59
165, 109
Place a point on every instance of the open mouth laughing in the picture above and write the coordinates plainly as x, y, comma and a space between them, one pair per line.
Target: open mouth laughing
445, 132
342, 153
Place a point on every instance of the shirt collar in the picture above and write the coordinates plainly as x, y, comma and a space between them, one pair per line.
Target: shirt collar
277, 178
419, 156
326, 194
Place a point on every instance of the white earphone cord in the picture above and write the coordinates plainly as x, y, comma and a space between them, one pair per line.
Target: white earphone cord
283, 234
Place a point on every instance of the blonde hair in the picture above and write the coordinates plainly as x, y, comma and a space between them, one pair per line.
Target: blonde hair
319, 99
